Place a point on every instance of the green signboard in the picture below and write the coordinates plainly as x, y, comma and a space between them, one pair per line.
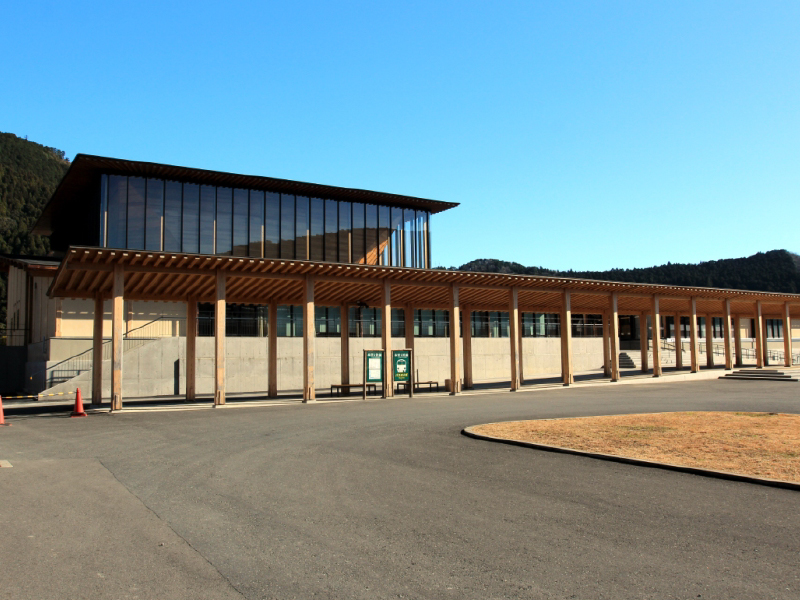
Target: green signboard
401, 365
373, 366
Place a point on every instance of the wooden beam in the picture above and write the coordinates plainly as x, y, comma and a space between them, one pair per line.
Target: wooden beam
309, 341
759, 335
567, 376
727, 335
97, 351
656, 318
117, 333
191, 349
455, 343
614, 336
219, 340
272, 349
513, 336
787, 336
693, 335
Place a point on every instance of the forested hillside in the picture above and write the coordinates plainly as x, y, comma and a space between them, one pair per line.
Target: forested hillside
774, 271
29, 174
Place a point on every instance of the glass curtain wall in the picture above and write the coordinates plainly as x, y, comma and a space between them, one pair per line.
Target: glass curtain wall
158, 215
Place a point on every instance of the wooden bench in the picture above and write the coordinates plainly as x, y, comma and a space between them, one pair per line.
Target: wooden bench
340, 386
417, 385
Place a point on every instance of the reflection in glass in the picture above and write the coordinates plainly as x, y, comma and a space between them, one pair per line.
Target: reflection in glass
208, 216
383, 236
191, 217
172, 216
224, 220
345, 212
358, 233
372, 234
287, 226
272, 226
301, 228
397, 236
256, 223
117, 211
136, 191
331, 227
241, 205
317, 229
154, 213
408, 238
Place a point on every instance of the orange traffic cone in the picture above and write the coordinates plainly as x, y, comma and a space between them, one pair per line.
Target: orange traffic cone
2, 416
78, 411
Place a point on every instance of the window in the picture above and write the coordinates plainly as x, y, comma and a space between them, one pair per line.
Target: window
541, 325
774, 328
358, 233
241, 320
587, 325
331, 230
384, 257
372, 234
173, 209
208, 217
431, 323
191, 218
290, 321
317, 240
154, 213
272, 226
345, 212
398, 322
365, 322
327, 321
224, 221
489, 324
287, 226
301, 228
136, 203
241, 209
117, 211
256, 224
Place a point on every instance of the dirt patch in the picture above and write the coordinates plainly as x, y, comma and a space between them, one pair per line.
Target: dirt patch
759, 444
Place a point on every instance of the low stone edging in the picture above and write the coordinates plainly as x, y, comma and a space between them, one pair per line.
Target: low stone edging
468, 431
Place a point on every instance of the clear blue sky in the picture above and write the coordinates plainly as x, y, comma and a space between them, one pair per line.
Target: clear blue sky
584, 135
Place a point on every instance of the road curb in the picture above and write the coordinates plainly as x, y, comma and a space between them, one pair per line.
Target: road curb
468, 431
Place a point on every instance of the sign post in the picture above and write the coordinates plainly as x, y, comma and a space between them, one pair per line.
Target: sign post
403, 369
373, 368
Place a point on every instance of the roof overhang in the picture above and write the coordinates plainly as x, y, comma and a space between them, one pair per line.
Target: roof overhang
43, 267
89, 272
85, 169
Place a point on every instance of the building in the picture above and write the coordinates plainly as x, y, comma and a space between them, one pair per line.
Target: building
201, 282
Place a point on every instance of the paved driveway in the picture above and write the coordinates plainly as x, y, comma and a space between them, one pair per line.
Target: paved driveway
383, 499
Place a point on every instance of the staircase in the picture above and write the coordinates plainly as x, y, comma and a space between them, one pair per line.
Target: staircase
626, 362
760, 375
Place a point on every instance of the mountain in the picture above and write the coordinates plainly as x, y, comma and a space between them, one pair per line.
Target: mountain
773, 271
29, 174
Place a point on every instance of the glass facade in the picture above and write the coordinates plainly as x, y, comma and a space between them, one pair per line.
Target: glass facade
170, 216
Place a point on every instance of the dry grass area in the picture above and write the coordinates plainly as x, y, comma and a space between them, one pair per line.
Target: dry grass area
759, 444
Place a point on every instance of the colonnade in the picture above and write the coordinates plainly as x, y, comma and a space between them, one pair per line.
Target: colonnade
457, 363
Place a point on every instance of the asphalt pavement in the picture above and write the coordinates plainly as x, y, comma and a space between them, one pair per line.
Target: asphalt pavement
383, 499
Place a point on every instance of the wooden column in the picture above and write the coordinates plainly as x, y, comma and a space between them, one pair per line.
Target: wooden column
521, 360
344, 325
455, 343
309, 341
567, 375
613, 334
408, 317
727, 332
758, 334
272, 350
386, 338
693, 334
643, 346
191, 349
787, 336
737, 339
513, 336
678, 343
606, 345
219, 341
764, 345
117, 324
97, 351
468, 381
656, 318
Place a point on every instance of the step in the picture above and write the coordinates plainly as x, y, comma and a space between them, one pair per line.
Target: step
746, 378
